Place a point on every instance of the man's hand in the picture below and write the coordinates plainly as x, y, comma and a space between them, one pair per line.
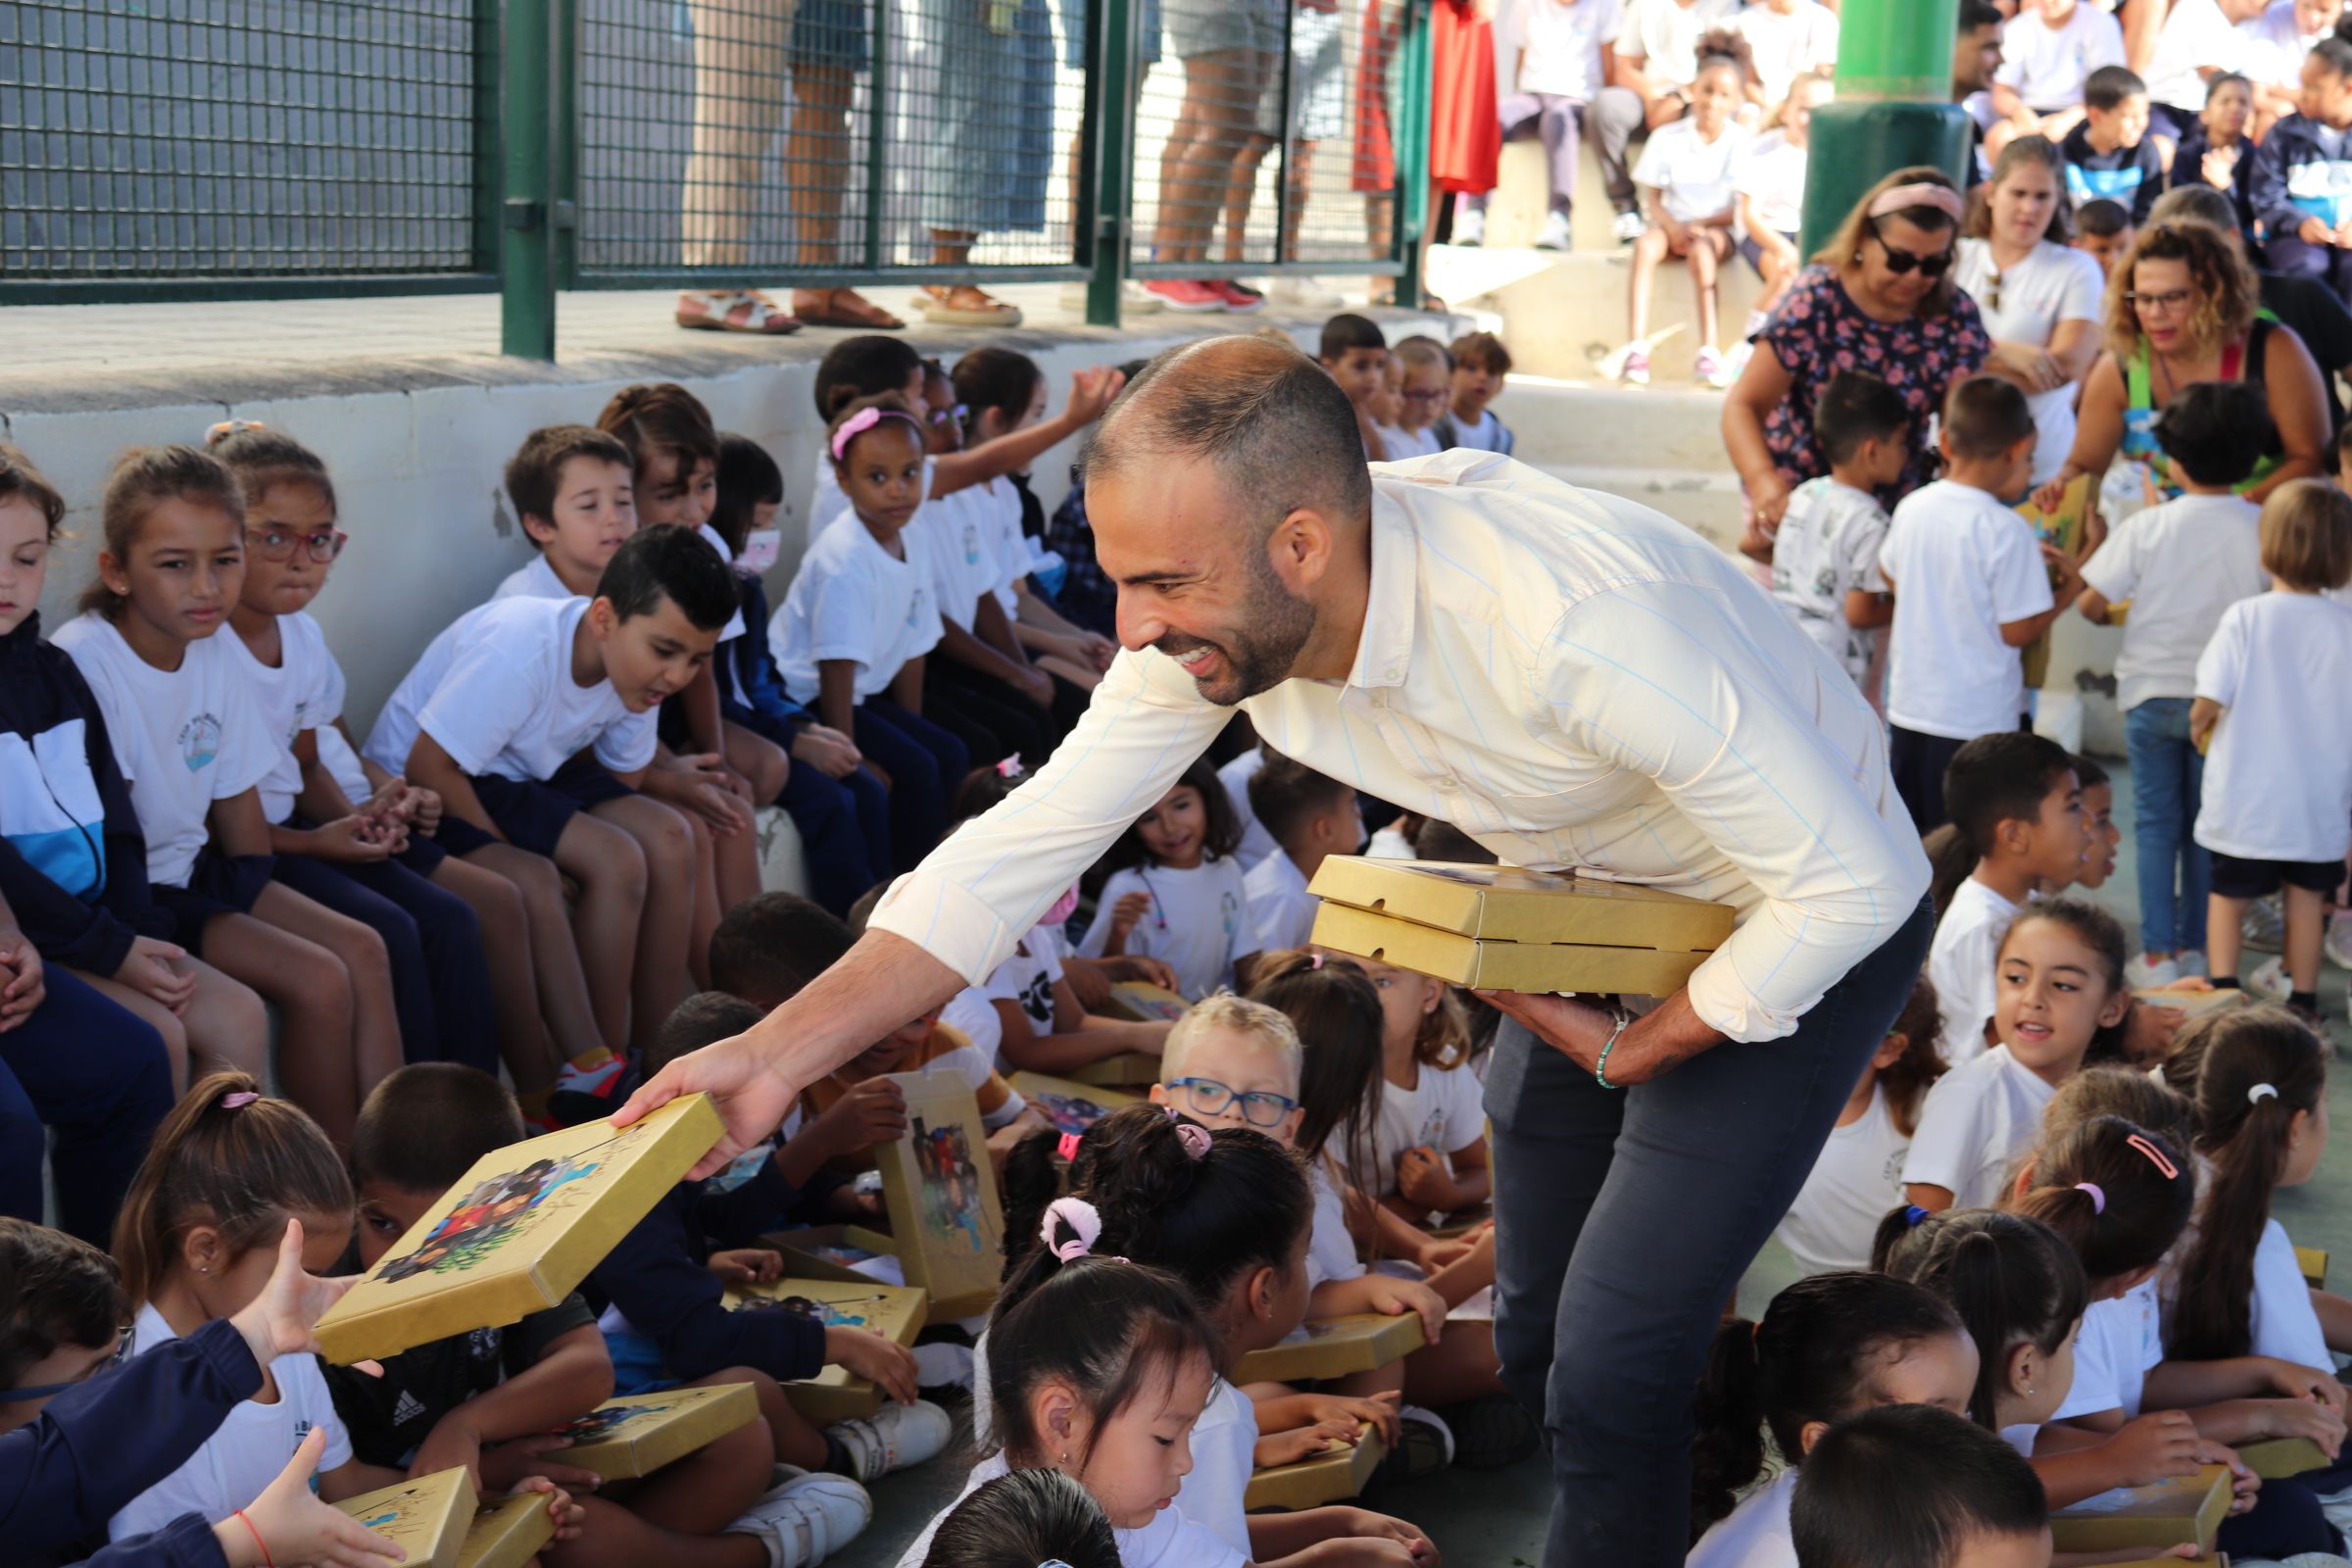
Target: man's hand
753, 1101
1650, 1047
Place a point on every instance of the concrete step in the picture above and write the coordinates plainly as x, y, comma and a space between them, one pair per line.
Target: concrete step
1563, 310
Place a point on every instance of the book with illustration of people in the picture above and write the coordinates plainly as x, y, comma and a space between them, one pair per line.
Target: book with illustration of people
426, 1517
896, 1312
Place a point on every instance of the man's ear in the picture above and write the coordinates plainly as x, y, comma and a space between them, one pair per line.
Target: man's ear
1300, 547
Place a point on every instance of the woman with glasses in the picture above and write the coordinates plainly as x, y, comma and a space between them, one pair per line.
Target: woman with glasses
1878, 297
2184, 307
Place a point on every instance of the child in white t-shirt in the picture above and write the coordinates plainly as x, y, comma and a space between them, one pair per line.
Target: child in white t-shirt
1045, 1027
2049, 51
1428, 1150
2017, 832
1788, 43
2178, 566
2278, 796
575, 496
191, 746
1824, 554
1981, 588
1687, 173
1769, 184
1859, 1174
1257, 843
1179, 894
2060, 996
1312, 816
1428, 382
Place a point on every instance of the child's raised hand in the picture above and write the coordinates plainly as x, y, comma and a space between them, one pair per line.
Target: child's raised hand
2304, 1383
569, 1515
278, 1321
747, 1265
152, 969
1394, 1298
888, 1366
873, 1112
1091, 392
1124, 914
288, 1523
2149, 1450
1421, 1178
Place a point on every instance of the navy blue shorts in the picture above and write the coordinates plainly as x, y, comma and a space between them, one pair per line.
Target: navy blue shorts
218, 884
533, 814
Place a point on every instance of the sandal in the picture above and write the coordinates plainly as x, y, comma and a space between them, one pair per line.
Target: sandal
843, 306
955, 305
735, 311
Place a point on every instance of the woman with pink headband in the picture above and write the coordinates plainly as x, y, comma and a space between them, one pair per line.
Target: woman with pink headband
1878, 298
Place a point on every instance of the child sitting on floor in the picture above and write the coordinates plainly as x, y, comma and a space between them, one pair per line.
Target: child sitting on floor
1968, 1497
1176, 891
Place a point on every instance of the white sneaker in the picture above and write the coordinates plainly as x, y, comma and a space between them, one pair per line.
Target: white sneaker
1709, 367
1469, 225
1305, 292
2145, 973
1629, 228
1556, 235
2270, 982
894, 1438
1134, 297
805, 1518
2337, 943
2265, 924
1628, 362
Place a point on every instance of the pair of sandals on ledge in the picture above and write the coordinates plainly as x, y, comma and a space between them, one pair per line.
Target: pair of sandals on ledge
750, 311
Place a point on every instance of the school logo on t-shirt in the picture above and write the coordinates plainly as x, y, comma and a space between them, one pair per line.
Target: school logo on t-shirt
971, 544
200, 742
1230, 908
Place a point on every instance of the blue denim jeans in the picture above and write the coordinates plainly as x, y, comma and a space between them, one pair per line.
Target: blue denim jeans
1623, 1221
2168, 779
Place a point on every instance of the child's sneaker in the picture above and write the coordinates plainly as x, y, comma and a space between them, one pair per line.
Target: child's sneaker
1630, 363
588, 1087
805, 1518
1629, 228
1708, 365
1424, 1446
2264, 927
1185, 294
1492, 1432
892, 1438
1556, 234
1469, 225
939, 1365
2270, 982
2146, 973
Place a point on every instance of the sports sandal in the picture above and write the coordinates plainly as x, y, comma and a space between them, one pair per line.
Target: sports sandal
964, 305
735, 311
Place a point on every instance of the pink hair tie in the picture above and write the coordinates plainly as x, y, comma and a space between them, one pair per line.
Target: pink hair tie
1192, 1135
1922, 193
2172, 1172
864, 420
2098, 1195
238, 1099
1011, 768
1068, 1147
1314, 960
1085, 1223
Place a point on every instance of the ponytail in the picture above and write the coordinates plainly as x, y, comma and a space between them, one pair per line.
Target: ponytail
2248, 1072
2012, 1280
1906, 1080
1950, 860
2120, 1196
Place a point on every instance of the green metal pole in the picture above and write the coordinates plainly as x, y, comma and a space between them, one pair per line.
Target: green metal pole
526, 249
1112, 127
1894, 107
1410, 151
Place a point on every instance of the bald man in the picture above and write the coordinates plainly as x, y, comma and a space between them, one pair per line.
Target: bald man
1573, 680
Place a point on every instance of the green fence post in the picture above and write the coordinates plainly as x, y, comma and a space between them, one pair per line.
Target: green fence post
1410, 152
526, 236
1894, 107
1112, 112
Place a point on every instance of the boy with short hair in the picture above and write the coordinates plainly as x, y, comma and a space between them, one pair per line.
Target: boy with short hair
573, 493
2098, 826
2180, 565
1481, 364
2110, 156
1966, 1499
1972, 587
1355, 354
2104, 231
1310, 815
480, 1399
2017, 803
1824, 556
1428, 384
2301, 186
534, 721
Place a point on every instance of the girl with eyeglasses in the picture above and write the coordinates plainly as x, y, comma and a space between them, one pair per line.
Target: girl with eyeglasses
1878, 297
2184, 308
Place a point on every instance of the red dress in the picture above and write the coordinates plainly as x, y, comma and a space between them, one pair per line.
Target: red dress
1375, 161
1465, 136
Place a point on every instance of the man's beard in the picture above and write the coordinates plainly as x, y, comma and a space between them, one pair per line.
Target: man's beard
1258, 658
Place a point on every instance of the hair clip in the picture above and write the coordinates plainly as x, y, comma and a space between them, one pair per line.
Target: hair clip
2138, 1140
2260, 1093
1052, 1562
1196, 1139
2098, 1195
1067, 1146
1011, 768
1912, 1216
1085, 1222
239, 1098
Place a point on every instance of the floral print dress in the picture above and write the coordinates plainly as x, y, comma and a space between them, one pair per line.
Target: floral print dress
1819, 330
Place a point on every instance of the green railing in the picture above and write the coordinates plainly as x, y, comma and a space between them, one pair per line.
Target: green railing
199, 149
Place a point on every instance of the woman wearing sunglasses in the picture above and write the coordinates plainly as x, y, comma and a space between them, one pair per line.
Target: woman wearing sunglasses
2184, 308
1878, 297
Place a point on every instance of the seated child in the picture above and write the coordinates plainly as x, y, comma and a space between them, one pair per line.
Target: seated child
1176, 892
1827, 1349
2015, 807
2059, 999
575, 496
2110, 156
1428, 1151
1428, 384
2298, 185
1311, 816
533, 720
1355, 354
666, 1322
2218, 150
1825, 554
2104, 231
2098, 820
1770, 187
189, 742
1022, 1518
1386, 408
1687, 173
2048, 50
1968, 1501
1481, 366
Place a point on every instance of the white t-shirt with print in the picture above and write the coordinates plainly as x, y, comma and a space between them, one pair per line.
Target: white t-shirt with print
2181, 564
1694, 177
1962, 566
2119, 1342
2278, 775
853, 599
1803, 42
1223, 1443
1826, 547
240, 1459
1169, 1540
2047, 66
1198, 924
1771, 174
303, 692
496, 691
1330, 1246
970, 1015
1754, 1535
1027, 979
533, 579
1282, 912
1978, 1118
183, 738
1962, 961
2274, 46
1563, 40
1661, 36
1257, 842
1856, 1180
1444, 1110
2049, 284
